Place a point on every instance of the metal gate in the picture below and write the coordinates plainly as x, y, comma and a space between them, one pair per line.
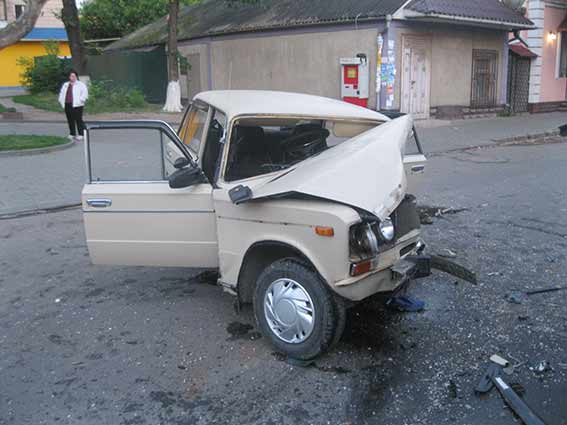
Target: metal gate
144, 69
518, 82
484, 78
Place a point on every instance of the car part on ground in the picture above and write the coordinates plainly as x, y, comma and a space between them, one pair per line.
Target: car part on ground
492, 377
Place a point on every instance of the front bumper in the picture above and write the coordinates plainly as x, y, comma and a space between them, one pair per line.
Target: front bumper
389, 280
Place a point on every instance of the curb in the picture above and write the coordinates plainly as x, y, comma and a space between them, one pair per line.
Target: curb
38, 151
24, 121
541, 134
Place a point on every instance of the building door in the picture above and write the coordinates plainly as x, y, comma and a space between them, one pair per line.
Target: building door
416, 77
518, 82
193, 75
484, 78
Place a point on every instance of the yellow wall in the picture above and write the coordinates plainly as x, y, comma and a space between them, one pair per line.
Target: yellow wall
9, 69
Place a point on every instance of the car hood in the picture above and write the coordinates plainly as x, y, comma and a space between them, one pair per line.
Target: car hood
365, 172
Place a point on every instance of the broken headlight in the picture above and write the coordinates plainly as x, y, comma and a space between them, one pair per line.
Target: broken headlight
387, 229
363, 240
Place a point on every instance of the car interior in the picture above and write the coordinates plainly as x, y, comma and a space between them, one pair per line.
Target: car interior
263, 147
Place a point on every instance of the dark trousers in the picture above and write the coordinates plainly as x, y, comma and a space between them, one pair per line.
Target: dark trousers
75, 119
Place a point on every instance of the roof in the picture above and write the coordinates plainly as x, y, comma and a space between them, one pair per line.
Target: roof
221, 17
218, 17
259, 102
38, 34
522, 50
489, 10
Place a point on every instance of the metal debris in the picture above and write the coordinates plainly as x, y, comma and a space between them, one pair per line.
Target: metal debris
495, 358
545, 290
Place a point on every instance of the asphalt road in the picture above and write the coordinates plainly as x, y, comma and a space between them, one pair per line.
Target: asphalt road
83, 344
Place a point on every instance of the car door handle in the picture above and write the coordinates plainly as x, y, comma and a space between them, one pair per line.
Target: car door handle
418, 168
99, 203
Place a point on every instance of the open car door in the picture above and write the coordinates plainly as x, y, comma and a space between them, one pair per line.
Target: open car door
414, 162
131, 215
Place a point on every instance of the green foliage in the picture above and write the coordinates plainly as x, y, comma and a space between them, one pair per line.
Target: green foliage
115, 18
45, 73
104, 96
13, 142
4, 109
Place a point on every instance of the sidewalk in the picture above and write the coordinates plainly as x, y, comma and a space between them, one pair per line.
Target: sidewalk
56, 179
442, 136
32, 114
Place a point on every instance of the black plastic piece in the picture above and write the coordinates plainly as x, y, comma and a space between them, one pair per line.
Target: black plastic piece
422, 266
563, 130
186, 177
240, 194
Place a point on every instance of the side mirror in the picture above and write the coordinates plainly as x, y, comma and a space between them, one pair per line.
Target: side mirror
186, 177
181, 162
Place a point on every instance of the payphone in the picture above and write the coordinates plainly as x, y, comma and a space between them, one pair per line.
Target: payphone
355, 80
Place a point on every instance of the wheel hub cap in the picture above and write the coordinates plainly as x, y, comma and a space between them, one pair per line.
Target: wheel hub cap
289, 311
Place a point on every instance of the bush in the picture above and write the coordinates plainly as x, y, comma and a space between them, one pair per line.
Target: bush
45, 73
106, 95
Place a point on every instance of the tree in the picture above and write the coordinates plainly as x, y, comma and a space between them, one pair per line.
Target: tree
18, 29
173, 100
102, 19
70, 18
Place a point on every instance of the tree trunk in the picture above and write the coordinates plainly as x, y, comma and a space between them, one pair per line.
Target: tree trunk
173, 101
70, 17
18, 29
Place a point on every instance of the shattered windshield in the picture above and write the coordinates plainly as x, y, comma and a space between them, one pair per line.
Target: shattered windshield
264, 145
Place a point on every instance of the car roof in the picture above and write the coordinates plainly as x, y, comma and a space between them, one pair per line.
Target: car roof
262, 102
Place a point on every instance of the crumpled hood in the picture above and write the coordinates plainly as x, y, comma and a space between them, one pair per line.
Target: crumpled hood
366, 171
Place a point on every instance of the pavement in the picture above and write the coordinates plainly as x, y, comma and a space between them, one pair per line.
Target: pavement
56, 179
83, 344
34, 115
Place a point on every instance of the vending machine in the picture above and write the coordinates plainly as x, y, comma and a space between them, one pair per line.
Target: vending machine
355, 80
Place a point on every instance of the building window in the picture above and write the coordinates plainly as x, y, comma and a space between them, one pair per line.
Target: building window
3, 11
561, 55
19, 8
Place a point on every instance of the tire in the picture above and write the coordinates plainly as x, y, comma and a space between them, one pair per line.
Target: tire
286, 287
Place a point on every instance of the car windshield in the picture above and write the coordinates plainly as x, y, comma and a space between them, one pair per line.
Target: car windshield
264, 145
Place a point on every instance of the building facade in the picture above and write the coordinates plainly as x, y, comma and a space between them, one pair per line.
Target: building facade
548, 42
47, 27
425, 57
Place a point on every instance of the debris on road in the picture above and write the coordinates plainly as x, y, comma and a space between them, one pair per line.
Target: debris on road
405, 304
541, 367
495, 358
447, 253
492, 377
546, 290
427, 213
514, 298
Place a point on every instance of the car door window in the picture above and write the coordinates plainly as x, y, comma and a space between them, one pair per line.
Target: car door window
131, 154
193, 126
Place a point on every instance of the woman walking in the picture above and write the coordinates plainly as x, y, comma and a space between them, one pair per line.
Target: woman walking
72, 98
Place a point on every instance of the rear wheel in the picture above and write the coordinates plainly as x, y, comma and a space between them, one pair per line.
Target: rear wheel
295, 310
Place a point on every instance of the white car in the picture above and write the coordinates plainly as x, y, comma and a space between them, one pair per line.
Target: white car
301, 202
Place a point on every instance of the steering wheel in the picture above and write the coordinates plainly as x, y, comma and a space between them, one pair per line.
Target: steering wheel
305, 143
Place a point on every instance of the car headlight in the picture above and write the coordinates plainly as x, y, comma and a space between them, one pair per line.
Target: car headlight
387, 229
363, 241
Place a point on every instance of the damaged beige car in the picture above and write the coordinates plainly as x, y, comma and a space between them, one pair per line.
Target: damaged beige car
302, 203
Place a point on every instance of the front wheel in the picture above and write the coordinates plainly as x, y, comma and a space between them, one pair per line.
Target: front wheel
295, 310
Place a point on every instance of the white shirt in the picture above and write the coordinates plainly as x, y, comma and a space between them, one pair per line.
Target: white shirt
80, 94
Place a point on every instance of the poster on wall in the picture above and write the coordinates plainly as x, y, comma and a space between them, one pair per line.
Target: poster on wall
387, 72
